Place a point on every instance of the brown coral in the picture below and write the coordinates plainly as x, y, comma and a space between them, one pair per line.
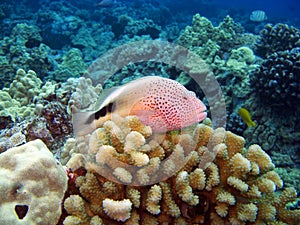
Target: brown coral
239, 185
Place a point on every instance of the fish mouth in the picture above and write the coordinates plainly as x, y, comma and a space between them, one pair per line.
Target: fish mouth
203, 115
202, 112
202, 107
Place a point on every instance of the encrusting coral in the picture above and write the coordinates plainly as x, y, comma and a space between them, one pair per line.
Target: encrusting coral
222, 182
278, 37
25, 86
226, 49
31, 188
277, 79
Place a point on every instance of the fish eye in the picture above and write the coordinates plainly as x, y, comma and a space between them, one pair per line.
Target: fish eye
110, 108
102, 112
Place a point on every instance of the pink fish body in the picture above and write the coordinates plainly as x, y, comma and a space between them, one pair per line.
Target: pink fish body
168, 105
161, 103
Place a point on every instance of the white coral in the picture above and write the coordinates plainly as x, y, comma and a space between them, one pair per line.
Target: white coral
117, 210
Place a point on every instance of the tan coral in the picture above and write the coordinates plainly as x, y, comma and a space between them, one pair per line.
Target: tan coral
74, 205
109, 188
153, 199
239, 165
134, 195
193, 160
123, 175
25, 86
139, 158
266, 212
226, 197
266, 186
257, 155
156, 150
32, 185
202, 134
222, 209
234, 143
117, 210
133, 141
134, 218
197, 179
221, 151
116, 135
237, 183
288, 216
98, 139
145, 174
217, 182
90, 186
134, 124
273, 176
213, 177
184, 190
104, 153
247, 212
171, 207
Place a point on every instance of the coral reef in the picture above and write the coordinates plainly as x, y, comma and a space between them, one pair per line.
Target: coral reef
227, 50
278, 37
72, 65
23, 49
52, 125
12, 137
277, 80
142, 27
25, 87
17, 101
85, 94
238, 186
279, 139
31, 188
227, 35
36, 111
123, 173
11, 108
235, 124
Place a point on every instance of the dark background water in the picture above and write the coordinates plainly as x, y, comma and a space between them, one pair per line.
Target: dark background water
284, 11
278, 9
287, 11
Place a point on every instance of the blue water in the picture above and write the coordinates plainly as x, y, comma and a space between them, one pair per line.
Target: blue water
288, 10
277, 11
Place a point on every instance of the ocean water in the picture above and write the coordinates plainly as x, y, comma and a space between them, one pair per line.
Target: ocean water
276, 10
57, 58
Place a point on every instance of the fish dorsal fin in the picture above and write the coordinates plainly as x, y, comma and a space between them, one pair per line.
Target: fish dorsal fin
112, 94
105, 98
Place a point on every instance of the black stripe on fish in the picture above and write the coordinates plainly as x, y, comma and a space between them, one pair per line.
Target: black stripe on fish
100, 113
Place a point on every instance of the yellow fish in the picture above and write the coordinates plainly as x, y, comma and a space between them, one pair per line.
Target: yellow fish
161, 103
246, 117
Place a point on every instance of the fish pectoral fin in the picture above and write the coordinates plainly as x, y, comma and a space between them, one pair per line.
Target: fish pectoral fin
143, 105
145, 110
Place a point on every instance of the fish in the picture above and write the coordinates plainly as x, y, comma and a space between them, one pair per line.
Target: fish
258, 16
161, 103
106, 3
246, 117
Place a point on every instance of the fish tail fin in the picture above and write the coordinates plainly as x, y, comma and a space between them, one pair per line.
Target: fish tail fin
83, 123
